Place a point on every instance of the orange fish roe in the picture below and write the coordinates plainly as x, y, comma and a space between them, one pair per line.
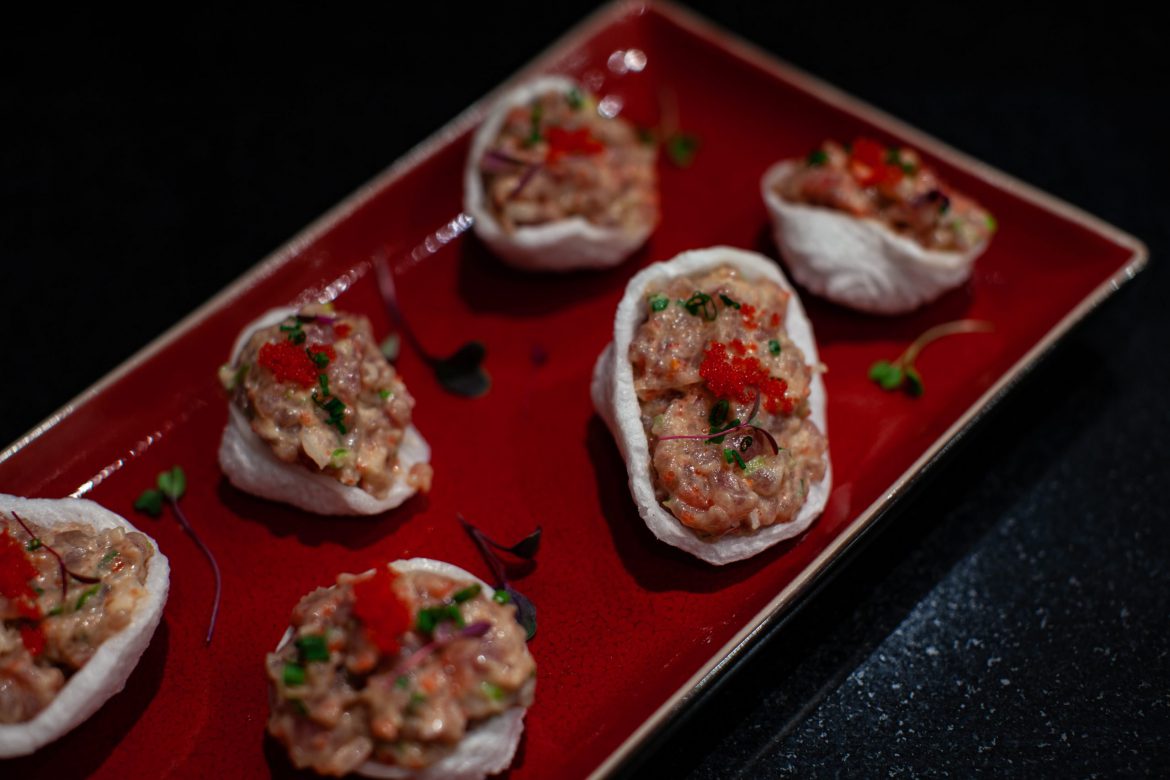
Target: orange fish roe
736, 377
562, 142
291, 363
16, 572
376, 604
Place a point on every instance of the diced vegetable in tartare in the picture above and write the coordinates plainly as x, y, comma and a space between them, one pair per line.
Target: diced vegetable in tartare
312, 388
554, 184
872, 227
413, 666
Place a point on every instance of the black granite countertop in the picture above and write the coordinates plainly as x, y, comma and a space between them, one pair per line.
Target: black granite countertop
1011, 616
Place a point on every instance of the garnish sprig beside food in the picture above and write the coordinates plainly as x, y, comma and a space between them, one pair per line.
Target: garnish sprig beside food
170, 487
712, 389
901, 373
81, 594
553, 184
416, 668
318, 418
872, 227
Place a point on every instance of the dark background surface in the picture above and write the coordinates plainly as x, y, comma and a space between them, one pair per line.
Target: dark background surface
1011, 616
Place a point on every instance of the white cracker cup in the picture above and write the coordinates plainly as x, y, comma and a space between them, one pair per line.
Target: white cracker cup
249, 463
487, 748
108, 670
564, 245
856, 262
617, 402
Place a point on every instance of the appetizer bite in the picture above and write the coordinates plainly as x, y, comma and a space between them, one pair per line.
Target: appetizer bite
871, 227
81, 592
415, 669
318, 418
554, 184
711, 387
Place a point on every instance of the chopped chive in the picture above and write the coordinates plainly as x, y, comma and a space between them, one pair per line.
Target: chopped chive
430, 617
774, 346
108, 558
992, 225
701, 305
312, 647
416, 699
534, 135
384, 394
492, 691
86, 595
294, 674
501, 597
402, 682
57, 610
745, 443
574, 99
733, 456
718, 413
817, 157
658, 302
728, 302
467, 593
320, 359
33, 544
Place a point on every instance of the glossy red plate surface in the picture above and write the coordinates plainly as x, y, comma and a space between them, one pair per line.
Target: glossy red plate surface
628, 627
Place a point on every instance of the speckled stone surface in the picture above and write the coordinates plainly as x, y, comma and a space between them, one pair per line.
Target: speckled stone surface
1010, 618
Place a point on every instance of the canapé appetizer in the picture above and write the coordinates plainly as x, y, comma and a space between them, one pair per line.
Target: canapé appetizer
553, 184
416, 669
871, 227
318, 418
81, 592
712, 388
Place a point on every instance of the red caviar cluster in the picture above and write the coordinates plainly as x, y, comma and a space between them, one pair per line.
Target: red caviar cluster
291, 363
384, 615
562, 142
16, 572
740, 377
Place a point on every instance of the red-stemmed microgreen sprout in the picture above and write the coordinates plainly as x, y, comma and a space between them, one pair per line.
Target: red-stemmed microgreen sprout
171, 487
66, 573
732, 428
525, 550
442, 637
901, 373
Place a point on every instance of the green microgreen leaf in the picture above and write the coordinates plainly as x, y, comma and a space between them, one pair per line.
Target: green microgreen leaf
718, 414
150, 502
463, 373
887, 375
817, 158
173, 483
681, 149
913, 382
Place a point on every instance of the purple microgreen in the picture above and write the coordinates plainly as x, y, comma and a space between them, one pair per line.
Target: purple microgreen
720, 430
525, 178
460, 374
496, 161
65, 572
472, 630
171, 486
902, 374
526, 550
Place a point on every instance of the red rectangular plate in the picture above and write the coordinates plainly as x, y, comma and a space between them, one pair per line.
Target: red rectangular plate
630, 629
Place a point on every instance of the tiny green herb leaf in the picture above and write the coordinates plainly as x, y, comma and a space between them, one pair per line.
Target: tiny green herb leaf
294, 674
173, 483
658, 302
467, 593
774, 346
913, 382
887, 375
902, 373
312, 647
150, 502
501, 597
718, 414
33, 544
681, 149
817, 158
385, 394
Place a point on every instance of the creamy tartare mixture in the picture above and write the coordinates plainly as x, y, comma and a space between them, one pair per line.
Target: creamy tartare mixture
724, 400
395, 668
63, 592
317, 389
891, 185
558, 158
